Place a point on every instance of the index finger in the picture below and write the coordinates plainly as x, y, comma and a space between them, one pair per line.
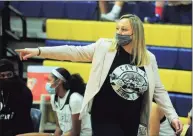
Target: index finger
19, 50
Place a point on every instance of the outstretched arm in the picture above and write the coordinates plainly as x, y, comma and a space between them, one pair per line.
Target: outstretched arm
65, 52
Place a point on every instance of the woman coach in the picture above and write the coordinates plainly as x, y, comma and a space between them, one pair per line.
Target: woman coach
123, 80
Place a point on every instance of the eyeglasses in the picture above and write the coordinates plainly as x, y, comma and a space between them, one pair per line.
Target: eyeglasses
6, 74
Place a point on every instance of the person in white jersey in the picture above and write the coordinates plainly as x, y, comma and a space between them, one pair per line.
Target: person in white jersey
159, 124
67, 95
66, 99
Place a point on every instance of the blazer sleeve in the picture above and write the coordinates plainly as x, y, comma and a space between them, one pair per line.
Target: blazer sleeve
161, 95
71, 53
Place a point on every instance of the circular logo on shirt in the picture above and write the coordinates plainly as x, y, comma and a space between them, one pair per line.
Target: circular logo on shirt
129, 81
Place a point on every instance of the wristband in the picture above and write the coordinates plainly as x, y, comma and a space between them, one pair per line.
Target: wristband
39, 52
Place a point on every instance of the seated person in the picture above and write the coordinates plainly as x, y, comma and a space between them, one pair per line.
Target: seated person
15, 102
159, 124
66, 99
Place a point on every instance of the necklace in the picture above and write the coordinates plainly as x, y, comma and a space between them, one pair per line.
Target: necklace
4, 101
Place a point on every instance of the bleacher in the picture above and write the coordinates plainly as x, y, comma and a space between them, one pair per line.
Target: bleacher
38, 12
171, 44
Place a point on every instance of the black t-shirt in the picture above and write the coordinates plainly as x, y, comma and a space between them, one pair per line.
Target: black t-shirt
120, 98
15, 107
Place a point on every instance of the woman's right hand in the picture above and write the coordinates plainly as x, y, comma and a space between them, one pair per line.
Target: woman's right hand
27, 53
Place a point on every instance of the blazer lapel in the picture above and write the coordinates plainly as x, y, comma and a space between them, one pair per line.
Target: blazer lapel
150, 76
145, 111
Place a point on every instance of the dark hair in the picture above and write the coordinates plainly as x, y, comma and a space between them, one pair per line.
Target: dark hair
74, 82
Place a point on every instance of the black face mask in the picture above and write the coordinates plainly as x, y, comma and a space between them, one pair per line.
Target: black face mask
8, 81
9, 84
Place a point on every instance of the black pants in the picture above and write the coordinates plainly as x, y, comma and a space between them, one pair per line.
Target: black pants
107, 130
111, 130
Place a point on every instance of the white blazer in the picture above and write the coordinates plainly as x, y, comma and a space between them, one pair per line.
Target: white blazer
101, 57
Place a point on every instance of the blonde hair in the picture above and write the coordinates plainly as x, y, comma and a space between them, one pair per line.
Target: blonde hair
139, 51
